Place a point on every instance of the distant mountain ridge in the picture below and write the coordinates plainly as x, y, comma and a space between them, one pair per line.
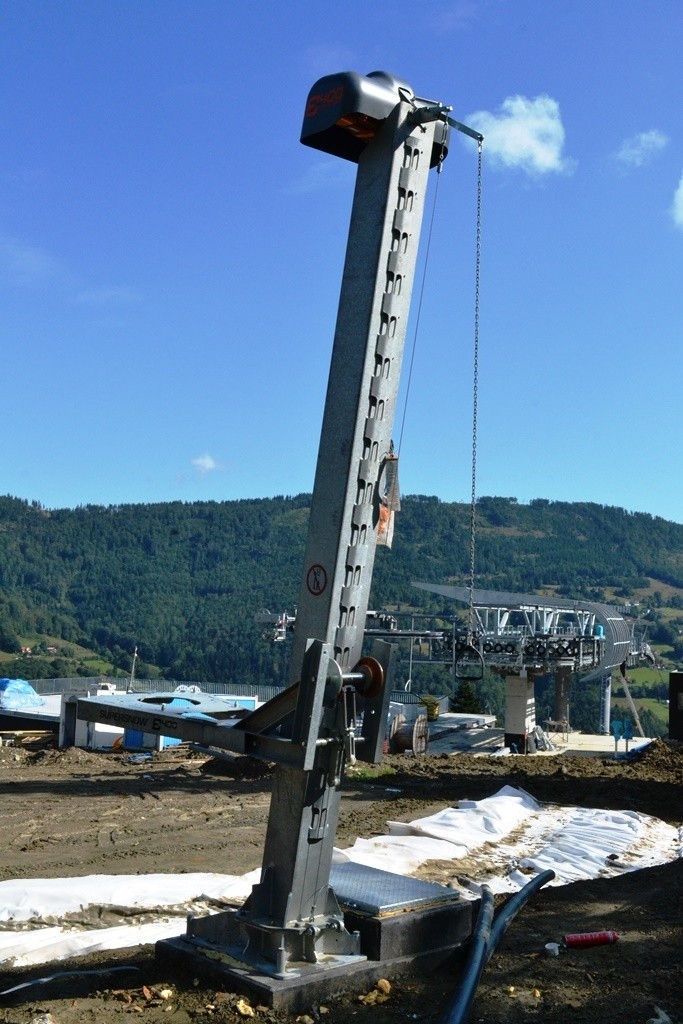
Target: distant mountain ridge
183, 581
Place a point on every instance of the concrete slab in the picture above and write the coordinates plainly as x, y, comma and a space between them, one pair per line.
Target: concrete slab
464, 741
448, 736
587, 745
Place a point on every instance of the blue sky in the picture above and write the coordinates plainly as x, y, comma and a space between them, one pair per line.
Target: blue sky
170, 254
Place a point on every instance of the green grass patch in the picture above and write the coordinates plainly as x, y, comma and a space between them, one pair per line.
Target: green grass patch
658, 709
368, 772
645, 676
98, 667
74, 650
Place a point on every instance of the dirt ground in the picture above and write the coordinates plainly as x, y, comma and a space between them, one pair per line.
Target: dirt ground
70, 813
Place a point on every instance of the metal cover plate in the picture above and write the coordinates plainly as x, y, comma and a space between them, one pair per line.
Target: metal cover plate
376, 892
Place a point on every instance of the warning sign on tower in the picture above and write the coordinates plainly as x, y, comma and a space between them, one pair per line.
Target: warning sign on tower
316, 580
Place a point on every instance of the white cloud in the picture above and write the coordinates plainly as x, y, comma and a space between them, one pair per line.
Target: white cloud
328, 60
640, 148
677, 208
320, 176
524, 133
114, 295
456, 15
24, 264
187, 91
205, 463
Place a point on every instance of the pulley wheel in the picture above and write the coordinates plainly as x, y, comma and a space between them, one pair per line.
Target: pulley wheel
333, 683
373, 677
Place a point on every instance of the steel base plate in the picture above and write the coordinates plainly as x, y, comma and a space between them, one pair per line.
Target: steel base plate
376, 892
402, 922
398, 916
297, 994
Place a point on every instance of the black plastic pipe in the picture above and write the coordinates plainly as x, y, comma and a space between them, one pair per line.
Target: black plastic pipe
459, 1009
38, 983
512, 908
487, 935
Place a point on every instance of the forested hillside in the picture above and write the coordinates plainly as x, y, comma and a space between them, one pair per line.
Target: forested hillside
183, 581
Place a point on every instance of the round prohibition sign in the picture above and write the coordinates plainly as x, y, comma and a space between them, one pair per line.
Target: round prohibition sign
316, 580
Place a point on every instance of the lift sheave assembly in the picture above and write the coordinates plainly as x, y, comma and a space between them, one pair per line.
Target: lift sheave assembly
310, 923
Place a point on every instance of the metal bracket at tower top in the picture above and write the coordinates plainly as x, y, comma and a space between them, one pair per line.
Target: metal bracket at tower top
460, 127
439, 112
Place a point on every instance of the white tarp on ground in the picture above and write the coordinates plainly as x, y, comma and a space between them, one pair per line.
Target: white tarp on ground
47, 919
503, 840
38, 898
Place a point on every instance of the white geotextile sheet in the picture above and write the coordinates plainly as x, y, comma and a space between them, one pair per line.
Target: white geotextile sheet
24, 949
506, 839
40, 916
474, 822
24, 899
503, 840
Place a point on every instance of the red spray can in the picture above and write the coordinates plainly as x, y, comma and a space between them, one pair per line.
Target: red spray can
580, 939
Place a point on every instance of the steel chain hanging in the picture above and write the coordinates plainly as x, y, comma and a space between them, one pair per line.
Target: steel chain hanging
475, 386
475, 397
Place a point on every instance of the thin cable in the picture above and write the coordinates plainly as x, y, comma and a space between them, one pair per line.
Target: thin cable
419, 310
475, 394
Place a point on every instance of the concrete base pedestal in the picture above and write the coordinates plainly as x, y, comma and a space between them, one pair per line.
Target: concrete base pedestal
520, 712
404, 924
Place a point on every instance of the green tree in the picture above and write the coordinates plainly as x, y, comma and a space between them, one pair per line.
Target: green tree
183, 581
465, 700
9, 642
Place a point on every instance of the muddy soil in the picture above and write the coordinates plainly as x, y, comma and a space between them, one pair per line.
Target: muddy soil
70, 813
